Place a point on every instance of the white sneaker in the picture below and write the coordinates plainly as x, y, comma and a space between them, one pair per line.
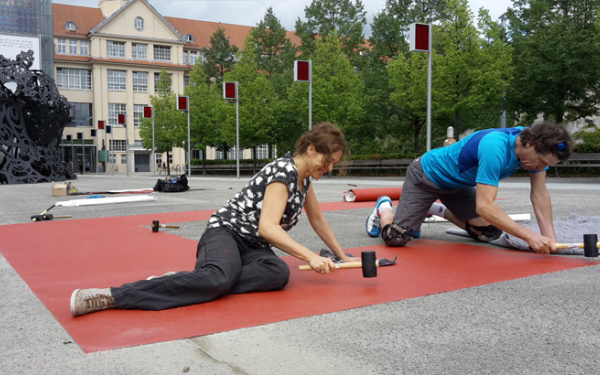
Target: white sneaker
373, 224
85, 301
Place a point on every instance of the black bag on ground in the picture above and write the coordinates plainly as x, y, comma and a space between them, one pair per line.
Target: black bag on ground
172, 184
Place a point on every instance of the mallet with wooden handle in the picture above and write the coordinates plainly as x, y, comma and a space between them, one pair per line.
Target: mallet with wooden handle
368, 264
590, 245
156, 225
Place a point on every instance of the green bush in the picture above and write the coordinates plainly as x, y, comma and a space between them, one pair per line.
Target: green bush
591, 141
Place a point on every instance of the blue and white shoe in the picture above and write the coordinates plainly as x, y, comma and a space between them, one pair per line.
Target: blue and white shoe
373, 225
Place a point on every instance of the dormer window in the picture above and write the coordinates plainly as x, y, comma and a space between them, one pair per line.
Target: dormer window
138, 23
188, 38
70, 26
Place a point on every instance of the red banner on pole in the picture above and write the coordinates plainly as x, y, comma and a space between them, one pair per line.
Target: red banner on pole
230, 90
419, 37
182, 103
148, 112
302, 70
121, 119
100, 124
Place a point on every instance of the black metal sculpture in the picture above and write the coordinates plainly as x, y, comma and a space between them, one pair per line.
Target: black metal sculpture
32, 118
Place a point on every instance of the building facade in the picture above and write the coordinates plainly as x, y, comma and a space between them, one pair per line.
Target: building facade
107, 61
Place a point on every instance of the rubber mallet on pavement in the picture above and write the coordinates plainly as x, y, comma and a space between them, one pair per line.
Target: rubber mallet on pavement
368, 264
590, 245
48, 217
156, 225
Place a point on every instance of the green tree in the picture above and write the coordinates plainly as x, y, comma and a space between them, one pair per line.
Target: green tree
337, 91
170, 125
220, 57
205, 101
256, 98
344, 18
471, 71
408, 77
556, 59
275, 49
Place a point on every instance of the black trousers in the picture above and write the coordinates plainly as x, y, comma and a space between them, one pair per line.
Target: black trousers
225, 264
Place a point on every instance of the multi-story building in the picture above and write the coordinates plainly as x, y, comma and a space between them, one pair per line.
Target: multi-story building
107, 63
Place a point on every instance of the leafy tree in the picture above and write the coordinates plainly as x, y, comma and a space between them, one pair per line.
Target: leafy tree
205, 101
256, 97
556, 59
343, 18
273, 46
408, 77
170, 125
337, 91
220, 57
470, 71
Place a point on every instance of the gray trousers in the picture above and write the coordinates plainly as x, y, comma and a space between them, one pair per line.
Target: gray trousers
225, 264
419, 193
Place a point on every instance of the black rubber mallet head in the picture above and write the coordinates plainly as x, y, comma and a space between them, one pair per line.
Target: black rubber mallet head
156, 224
590, 245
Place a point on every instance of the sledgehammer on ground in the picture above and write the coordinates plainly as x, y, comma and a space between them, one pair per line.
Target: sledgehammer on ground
368, 264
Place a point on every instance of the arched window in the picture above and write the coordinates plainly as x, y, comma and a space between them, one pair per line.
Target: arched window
70, 26
139, 23
188, 38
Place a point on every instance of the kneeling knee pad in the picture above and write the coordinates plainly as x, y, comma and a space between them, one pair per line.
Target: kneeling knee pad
395, 235
489, 233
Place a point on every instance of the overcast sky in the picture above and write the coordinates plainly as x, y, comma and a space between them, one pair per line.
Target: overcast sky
250, 12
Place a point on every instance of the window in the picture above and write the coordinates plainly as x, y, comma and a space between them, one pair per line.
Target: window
115, 109
74, 79
61, 47
84, 48
117, 80
140, 81
186, 81
157, 78
70, 26
138, 23
124, 158
262, 151
162, 53
138, 113
72, 47
190, 57
115, 49
138, 51
188, 38
81, 114
118, 145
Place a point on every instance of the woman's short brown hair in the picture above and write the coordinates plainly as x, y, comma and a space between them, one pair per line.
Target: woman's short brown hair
327, 139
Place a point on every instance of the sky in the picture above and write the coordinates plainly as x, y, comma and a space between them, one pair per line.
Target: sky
251, 12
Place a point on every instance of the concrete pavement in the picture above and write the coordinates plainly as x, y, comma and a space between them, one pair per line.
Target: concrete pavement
544, 324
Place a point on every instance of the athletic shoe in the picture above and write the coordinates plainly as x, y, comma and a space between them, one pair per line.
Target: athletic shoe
373, 224
85, 301
416, 234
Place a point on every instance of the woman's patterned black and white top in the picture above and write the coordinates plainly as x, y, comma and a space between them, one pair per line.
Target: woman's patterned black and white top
242, 212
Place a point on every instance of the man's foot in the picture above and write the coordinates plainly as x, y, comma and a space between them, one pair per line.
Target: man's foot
85, 301
163, 275
373, 224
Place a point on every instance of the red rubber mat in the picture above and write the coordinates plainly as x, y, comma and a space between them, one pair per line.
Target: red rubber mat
60, 256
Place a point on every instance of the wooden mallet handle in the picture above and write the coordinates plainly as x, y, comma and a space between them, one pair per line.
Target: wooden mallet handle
573, 245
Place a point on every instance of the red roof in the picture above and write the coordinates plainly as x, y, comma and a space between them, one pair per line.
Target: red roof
86, 19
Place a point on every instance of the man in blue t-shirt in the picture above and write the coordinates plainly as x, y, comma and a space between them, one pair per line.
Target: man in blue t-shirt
465, 176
